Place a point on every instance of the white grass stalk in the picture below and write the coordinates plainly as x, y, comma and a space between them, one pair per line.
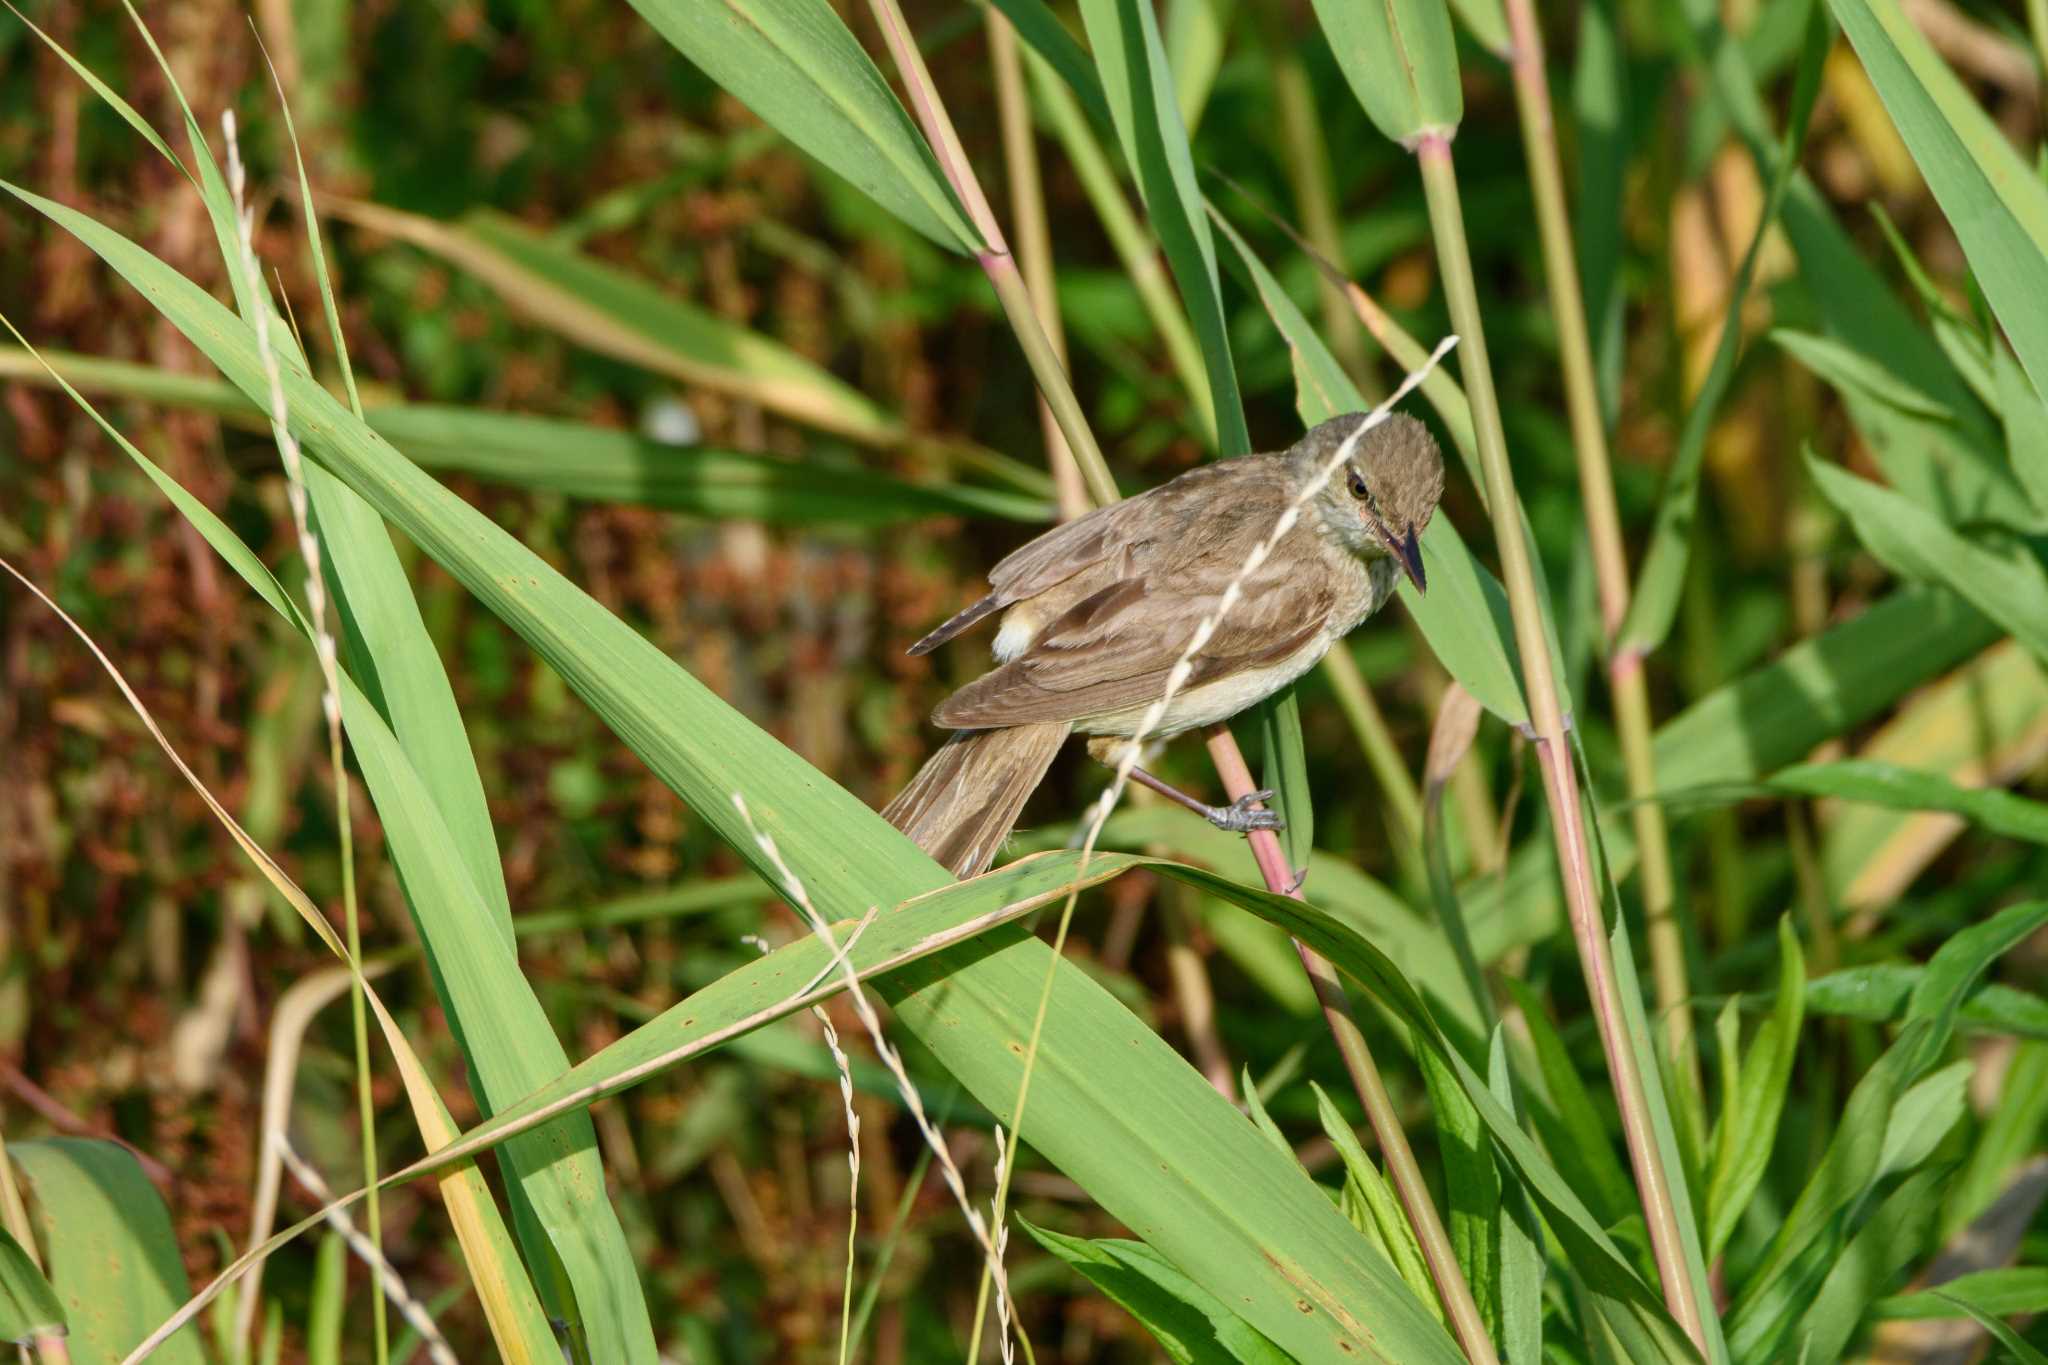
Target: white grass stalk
258, 296
991, 1248
410, 1308
845, 1067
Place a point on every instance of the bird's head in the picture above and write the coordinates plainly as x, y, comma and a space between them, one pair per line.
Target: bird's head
1383, 489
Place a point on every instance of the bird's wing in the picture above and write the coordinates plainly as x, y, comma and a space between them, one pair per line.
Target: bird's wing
1110, 538
1114, 649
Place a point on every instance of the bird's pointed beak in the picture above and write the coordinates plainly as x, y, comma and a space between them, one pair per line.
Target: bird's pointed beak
1409, 551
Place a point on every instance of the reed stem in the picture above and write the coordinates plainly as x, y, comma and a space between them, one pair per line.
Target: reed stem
1626, 678
994, 254
1466, 1321
1135, 249
1034, 244
1547, 722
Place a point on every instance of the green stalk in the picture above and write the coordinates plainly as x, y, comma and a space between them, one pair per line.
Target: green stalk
1034, 243
994, 256
1603, 529
1133, 245
1560, 778
1467, 1323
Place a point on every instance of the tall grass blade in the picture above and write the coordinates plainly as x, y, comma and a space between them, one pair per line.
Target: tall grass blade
1993, 198
2007, 583
626, 317
1131, 61
794, 63
1664, 565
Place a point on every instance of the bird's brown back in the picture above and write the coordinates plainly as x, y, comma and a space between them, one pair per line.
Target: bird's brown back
1116, 597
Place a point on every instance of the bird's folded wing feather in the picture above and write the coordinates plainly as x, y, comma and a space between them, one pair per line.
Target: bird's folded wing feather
1114, 649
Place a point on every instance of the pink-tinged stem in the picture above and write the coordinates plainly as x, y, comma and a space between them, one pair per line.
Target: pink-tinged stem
1409, 1186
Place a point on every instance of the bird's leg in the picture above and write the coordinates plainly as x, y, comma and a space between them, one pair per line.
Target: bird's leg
1239, 817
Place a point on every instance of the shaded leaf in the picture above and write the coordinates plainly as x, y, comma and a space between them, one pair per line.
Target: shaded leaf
1190, 1324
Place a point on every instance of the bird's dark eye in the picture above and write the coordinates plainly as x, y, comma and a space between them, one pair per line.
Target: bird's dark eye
1358, 488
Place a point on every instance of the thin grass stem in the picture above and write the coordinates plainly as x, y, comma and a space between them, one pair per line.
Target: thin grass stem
1626, 678
324, 646
1554, 755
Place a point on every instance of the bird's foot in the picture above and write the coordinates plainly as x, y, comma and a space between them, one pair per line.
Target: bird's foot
1239, 817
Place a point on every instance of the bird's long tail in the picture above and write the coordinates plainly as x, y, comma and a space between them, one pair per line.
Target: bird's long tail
965, 800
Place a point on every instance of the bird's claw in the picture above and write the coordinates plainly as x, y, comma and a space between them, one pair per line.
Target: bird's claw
1239, 817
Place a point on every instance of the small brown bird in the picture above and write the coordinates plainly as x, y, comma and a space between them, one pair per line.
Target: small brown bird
1097, 612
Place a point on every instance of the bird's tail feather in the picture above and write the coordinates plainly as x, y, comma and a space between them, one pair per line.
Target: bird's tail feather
965, 800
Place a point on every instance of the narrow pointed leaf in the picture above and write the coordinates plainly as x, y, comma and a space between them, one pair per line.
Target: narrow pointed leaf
1995, 201
632, 319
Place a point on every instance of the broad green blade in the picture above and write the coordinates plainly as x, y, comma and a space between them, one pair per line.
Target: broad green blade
1989, 194
1662, 1123
1382, 1213
1521, 1241
430, 799
2006, 582
392, 657
2001, 1292
2026, 425
1059, 50
1932, 439
1573, 1127
1877, 1257
1748, 1125
1111, 1104
2004, 1140
1476, 1200
1956, 967
1900, 788
1194, 38
1401, 59
1131, 60
108, 1247
632, 319
1785, 1278
793, 63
